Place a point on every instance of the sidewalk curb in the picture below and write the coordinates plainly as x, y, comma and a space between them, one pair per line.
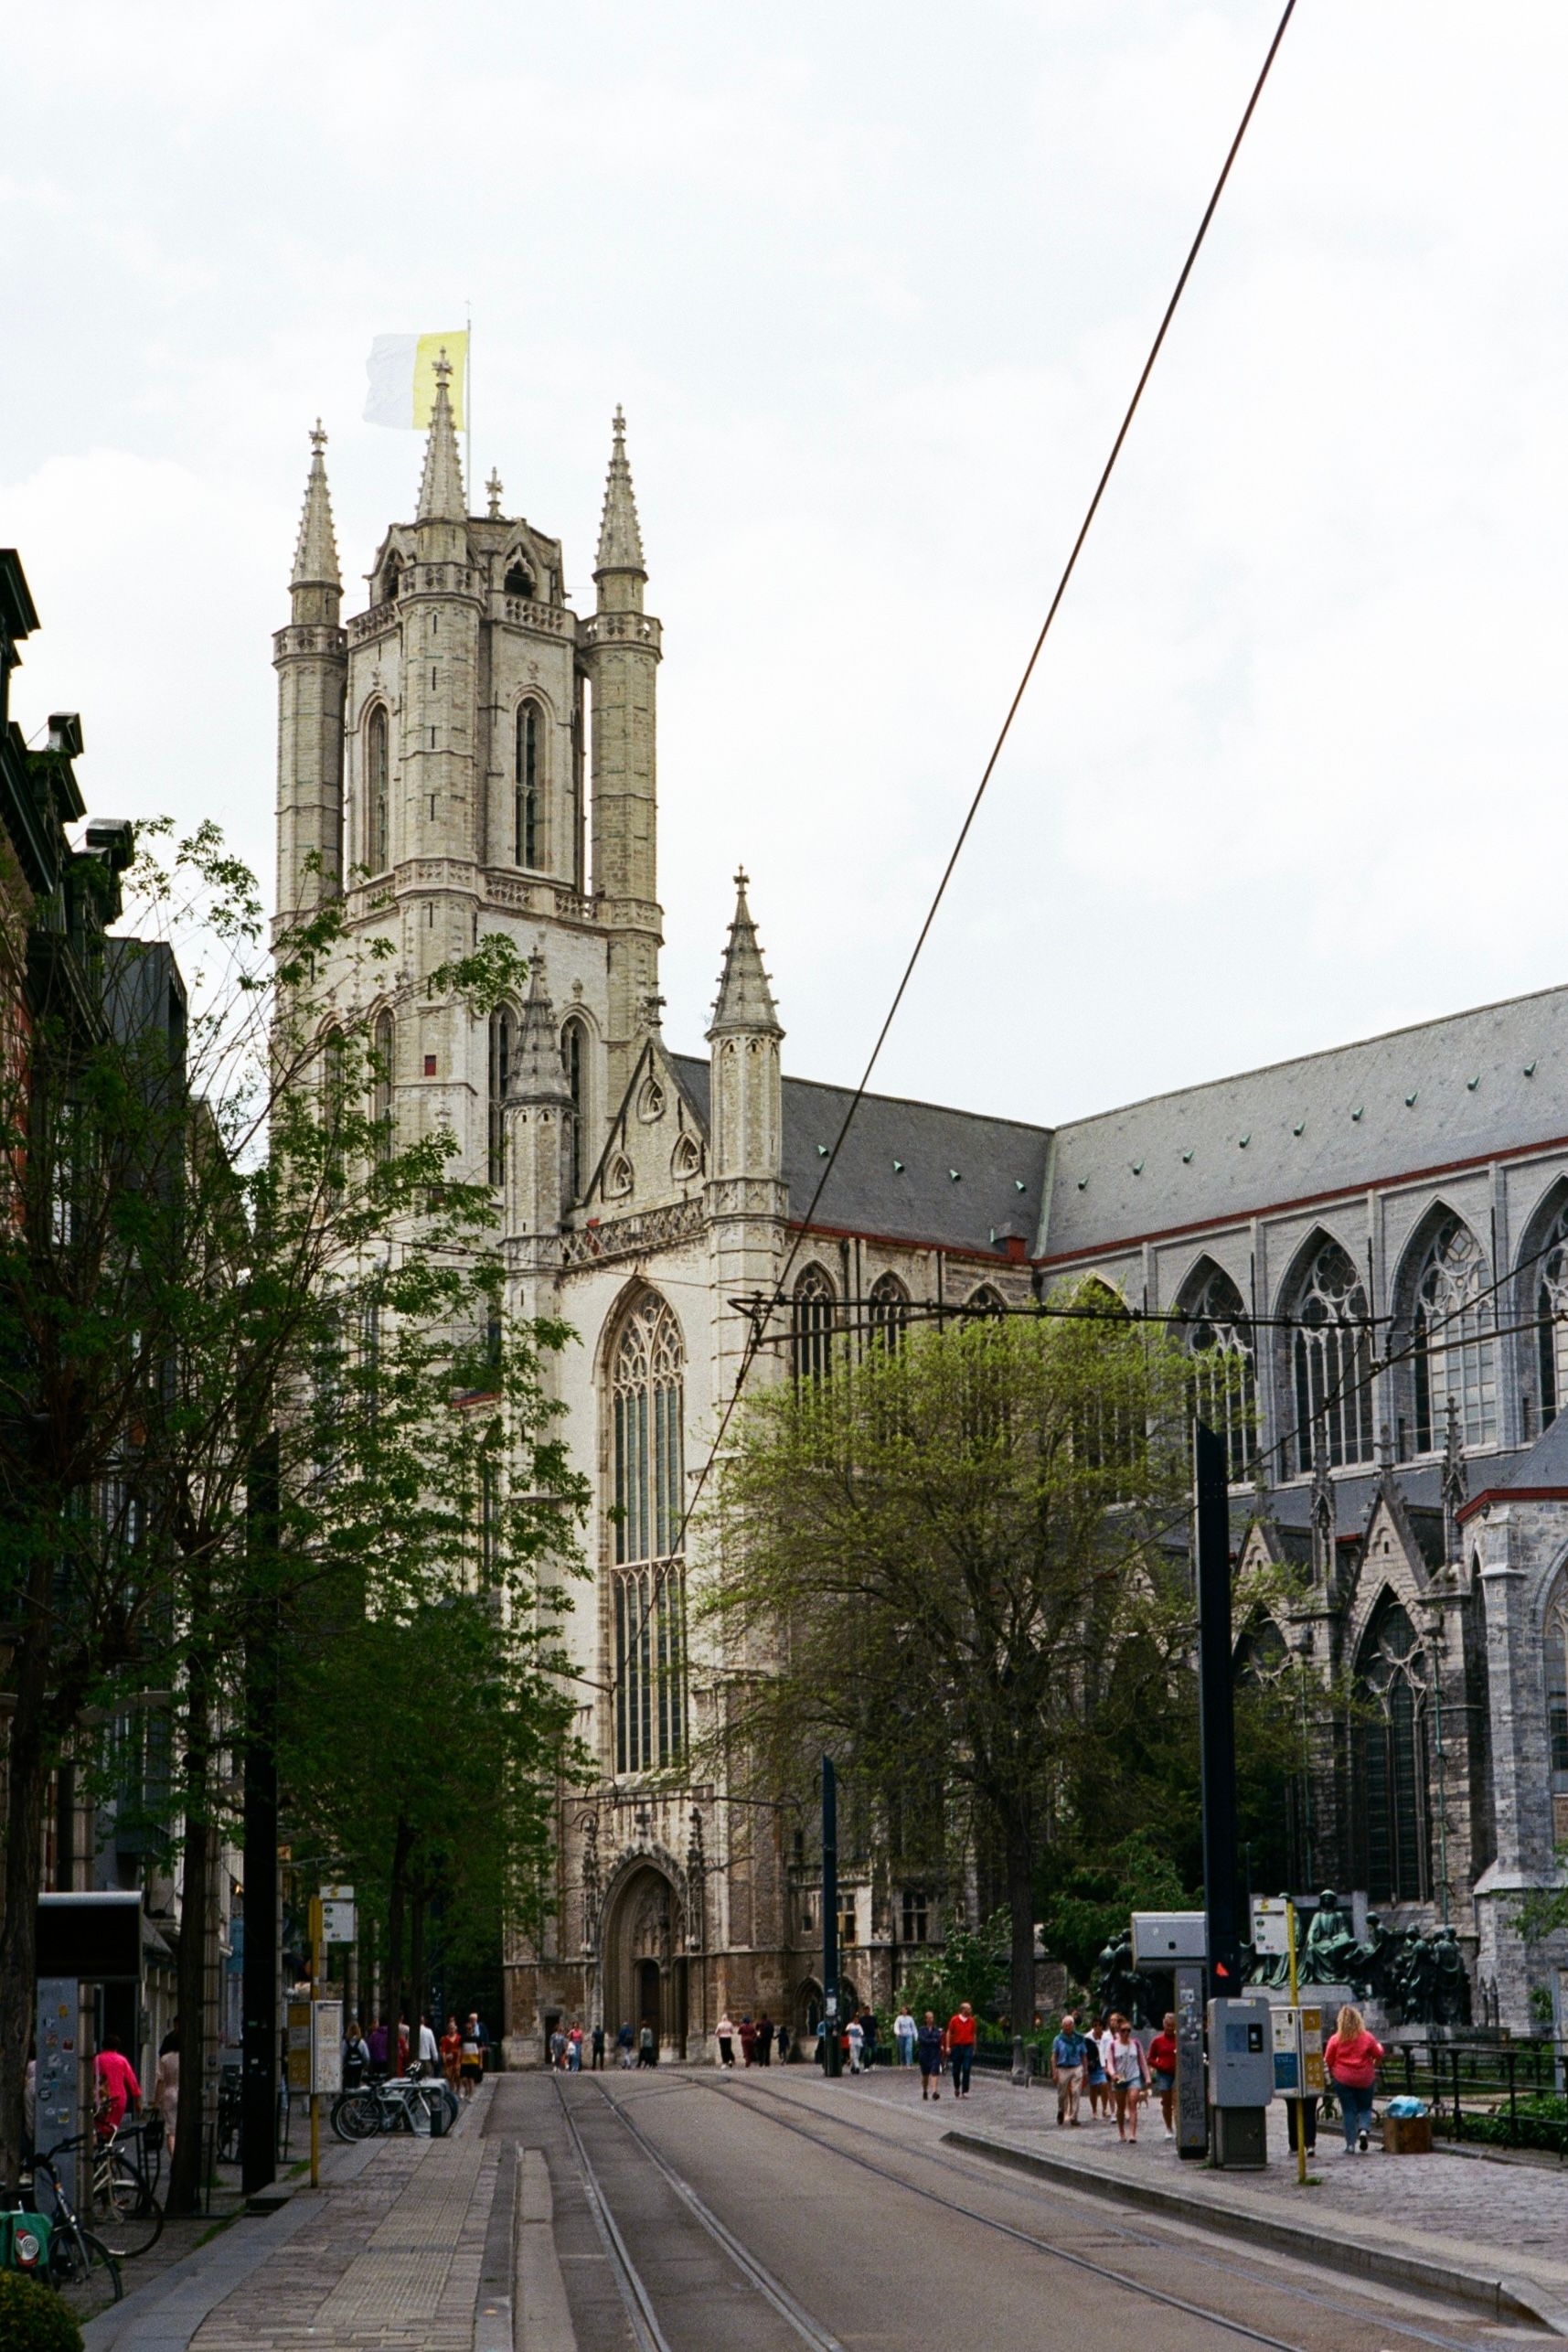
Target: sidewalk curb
1503, 2298
493, 2319
543, 2313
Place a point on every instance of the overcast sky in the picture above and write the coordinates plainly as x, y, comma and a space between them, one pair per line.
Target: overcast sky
873, 283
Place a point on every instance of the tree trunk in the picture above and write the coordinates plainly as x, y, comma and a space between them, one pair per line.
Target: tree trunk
185, 2170
397, 1903
27, 1777
416, 1966
1020, 1910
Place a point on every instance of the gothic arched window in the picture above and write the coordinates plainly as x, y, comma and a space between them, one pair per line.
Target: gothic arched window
649, 1585
1331, 1359
813, 1318
1392, 1791
1551, 1316
985, 1301
391, 579
377, 791
1455, 1352
383, 1046
887, 1312
526, 788
574, 1061
502, 1035
1225, 1385
518, 580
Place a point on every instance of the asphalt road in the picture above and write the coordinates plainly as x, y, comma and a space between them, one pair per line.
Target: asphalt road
754, 2212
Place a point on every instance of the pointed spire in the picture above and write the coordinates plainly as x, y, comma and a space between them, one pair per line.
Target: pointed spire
493, 488
745, 1000
538, 1074
315, 555
440, 490
1454, 1484
620, 540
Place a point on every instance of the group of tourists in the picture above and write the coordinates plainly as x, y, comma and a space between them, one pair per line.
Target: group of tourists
1109, 2064
758, 2038
459, 2054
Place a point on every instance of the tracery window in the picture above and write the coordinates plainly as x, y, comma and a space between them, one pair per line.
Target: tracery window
526, 788
887, 1312
813, 1318
985, 1301
1392, 1791
648, 1583
1455, 1352
1556, 1656
1224, 1381
1332, 1360
502, 1029
1551, 1317
378, 790
383, 1046
574, 1061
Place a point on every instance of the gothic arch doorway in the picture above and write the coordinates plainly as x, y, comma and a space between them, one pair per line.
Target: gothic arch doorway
645, 1967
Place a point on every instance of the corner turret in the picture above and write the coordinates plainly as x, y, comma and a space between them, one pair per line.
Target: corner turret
745, 1035
311, 659
539, 1122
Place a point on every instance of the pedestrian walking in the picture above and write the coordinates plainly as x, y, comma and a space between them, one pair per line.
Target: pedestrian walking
430, 2052
765, 2039
378, 2038
903, 2034
167, 2092
1102, 2043
748, 2038
402, 2045
558, 2047
1129, 2078
574, 2049
1069, 2056
598, 2046
961, 2047
356, 2056
452, 2054
119, 2092
725, 2035
928, 2047
869, 2029
1162, 2067
624, 2044
471, 2055
648, 2046
1351, 2063
480, 2038
782, 2043
855, 2037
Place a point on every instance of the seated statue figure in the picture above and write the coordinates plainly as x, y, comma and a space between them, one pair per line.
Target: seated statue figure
1332, 1950
1373, 1967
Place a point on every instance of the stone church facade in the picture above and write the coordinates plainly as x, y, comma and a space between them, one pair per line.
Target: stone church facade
1379, 1234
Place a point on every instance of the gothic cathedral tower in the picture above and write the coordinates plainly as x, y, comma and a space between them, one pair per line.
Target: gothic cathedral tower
434, 762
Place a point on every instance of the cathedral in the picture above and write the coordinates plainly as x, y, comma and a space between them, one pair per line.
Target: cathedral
1370, 1244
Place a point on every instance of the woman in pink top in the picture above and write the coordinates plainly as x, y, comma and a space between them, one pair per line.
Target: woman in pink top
1350, 2062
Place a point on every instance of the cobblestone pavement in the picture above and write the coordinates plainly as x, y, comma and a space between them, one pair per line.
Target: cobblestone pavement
1472, 2211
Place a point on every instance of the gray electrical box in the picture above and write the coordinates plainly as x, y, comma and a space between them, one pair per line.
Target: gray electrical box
1170, 1939
1240, 2053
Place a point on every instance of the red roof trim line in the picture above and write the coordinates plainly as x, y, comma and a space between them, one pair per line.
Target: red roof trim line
1512, 1494
1305, 1200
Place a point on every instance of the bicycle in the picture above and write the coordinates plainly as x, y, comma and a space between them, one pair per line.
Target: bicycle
122, 2193
78, 2257
374, 2107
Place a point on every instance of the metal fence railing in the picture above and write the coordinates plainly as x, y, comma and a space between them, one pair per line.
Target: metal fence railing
1505, 2093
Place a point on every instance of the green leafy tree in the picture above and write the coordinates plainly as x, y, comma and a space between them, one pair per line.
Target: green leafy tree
937, 1564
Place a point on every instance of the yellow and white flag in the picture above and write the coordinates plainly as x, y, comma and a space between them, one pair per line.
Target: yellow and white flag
402, 369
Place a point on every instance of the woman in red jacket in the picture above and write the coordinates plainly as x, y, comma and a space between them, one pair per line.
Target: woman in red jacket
1350, 2062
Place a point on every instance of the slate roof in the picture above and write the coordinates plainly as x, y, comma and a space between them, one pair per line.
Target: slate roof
1545, 1463
893, 1177
1463, 1087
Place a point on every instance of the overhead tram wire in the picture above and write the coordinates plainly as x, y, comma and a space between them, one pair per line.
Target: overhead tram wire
750, 1350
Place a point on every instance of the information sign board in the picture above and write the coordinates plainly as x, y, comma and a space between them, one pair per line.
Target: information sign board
58, 2080
1269, 1930
299, 2044
326, 2046
337, 1921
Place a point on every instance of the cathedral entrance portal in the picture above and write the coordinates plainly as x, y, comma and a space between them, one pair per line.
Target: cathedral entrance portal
645, 1968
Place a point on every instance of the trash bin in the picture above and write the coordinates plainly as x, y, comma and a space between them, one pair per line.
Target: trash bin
1407, 2135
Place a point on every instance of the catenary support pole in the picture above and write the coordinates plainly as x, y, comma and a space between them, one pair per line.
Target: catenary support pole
1216, 1713
830, 1913
259, 1981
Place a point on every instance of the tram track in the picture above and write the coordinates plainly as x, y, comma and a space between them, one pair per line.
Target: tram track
1384, 2321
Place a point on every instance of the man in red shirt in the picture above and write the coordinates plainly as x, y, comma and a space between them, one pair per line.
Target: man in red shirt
1162, 2065
117, 2086
961, 2048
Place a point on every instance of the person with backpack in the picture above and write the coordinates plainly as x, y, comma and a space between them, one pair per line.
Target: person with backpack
1129, 2076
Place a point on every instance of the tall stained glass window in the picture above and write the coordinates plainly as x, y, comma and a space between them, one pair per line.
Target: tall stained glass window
648, 1580
1455, 1351
1332, 1360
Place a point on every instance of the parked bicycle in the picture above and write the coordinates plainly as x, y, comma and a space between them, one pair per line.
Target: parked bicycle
126, 2169
78, 2256
413, 2102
